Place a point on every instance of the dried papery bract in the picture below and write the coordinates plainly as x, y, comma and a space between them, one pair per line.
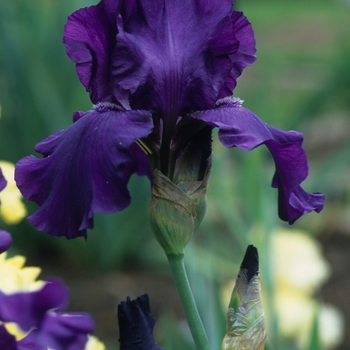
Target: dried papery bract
246, 328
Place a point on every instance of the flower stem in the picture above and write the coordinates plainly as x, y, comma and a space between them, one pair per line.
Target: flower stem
188, 303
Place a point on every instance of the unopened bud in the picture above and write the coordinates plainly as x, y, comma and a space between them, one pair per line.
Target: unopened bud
176, 211
245, 317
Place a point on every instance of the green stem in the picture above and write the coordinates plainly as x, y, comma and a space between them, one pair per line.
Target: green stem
188, 303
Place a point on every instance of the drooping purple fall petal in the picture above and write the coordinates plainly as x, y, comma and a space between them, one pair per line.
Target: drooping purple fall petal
136, 325
85, 169
239, 127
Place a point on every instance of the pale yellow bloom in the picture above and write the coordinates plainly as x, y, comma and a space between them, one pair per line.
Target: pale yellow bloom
94, 344
12, 210
299, 270
297, 261
16, 278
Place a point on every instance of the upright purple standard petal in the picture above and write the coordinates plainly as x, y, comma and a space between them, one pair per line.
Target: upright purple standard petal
175, 56
136, 325
245, 54
239, 127
90, 39
85, 169
170, 56
5, 241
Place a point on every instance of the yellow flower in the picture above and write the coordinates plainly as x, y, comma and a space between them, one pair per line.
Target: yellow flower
12, 210
299, 270
94, 344
16, 278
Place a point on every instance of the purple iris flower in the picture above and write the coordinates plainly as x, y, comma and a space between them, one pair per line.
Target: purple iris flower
136, 324
40, 313
158, 72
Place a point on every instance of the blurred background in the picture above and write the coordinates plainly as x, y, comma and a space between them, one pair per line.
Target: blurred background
300, 81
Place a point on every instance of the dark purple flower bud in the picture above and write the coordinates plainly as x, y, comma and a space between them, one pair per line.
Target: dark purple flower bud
136, 325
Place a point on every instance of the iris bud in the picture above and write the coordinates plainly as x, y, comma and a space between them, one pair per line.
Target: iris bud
245, 317
178, 204
176, 211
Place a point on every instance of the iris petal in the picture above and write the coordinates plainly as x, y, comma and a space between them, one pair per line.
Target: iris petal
85, 169
30, 342
175, 56
5, 241
65, 331
90, 38
239, 127
244, 56
7, 340
171, 56
28, 309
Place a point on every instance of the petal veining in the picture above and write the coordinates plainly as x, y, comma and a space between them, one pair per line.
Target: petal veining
175, 54
85, 169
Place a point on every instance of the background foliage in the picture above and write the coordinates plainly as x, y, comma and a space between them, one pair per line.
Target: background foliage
300, 81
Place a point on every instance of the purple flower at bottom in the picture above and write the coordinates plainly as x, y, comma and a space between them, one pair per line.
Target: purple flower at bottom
136, 325
39, 313
160, 74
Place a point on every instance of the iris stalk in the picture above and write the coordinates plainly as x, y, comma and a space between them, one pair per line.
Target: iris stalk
183, 287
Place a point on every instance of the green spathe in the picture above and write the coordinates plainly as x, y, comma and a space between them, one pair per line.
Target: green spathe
176, 210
